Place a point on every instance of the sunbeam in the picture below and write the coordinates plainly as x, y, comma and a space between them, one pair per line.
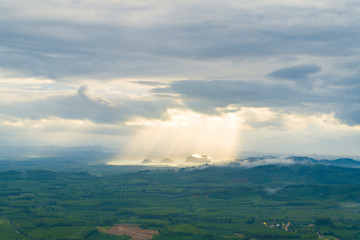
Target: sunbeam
185, 133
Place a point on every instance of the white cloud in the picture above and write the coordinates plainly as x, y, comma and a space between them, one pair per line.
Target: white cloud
198, 159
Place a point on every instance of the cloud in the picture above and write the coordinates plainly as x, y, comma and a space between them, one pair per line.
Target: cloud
300, 72
351, 114
83, 106
205, 96
208, 96
151, 83
295, 58
73, 40
59, 131
198, 159
255, 162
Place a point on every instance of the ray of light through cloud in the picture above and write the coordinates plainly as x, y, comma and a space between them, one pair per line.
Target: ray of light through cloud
183, 134
181, 81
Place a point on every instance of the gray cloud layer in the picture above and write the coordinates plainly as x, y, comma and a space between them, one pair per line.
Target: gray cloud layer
68, 39
113, 39
206, 96
81, 106
300, 72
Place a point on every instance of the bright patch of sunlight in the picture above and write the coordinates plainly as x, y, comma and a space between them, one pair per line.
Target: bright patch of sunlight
184, 133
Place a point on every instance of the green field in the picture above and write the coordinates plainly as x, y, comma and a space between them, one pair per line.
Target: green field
210, 203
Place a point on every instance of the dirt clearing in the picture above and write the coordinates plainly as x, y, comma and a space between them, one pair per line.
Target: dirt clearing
131, 230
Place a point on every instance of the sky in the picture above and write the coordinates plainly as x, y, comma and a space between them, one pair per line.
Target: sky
160, 79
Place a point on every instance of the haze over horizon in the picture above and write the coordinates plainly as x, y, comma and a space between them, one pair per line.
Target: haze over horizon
212, 78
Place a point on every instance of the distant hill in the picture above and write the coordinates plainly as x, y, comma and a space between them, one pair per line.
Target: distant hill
272, 160
269, 175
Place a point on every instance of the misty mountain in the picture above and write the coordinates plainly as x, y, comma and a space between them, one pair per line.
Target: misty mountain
272, 160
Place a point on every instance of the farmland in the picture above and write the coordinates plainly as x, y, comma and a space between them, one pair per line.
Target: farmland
190, 203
